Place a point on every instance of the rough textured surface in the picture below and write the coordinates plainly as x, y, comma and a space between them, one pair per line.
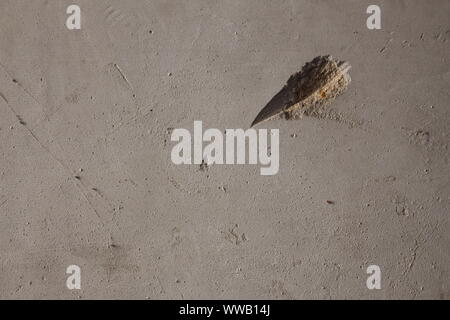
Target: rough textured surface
309, 90
86, 176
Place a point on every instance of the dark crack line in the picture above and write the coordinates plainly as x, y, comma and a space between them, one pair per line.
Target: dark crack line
68, 171
5, 201
24, 90
3, 97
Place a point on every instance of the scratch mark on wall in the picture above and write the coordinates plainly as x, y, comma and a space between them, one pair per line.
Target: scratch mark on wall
3, 97
14, 80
